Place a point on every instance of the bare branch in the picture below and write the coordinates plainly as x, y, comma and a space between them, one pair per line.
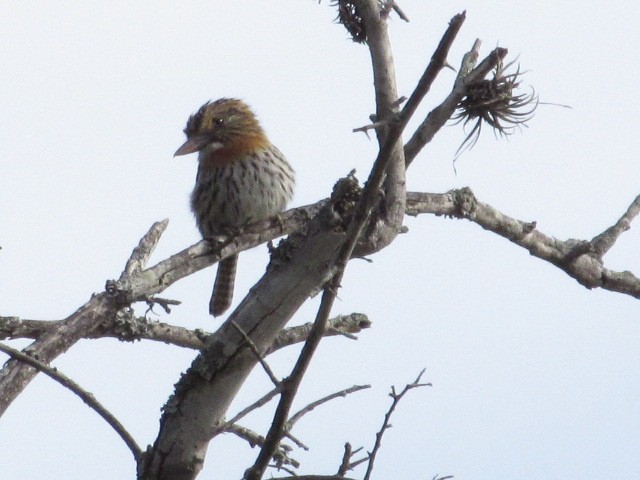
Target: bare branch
603, 242
255, 405
345, 325
300, 266
85, 396
140, 255
280, 456
385, 424
398, 10
15, 376
437, 63
256, 352
138, 286
289, 388
346, 458
163, 302
469, 60
14, 327
131, 328
371, 126
439, 116
395, 194
386, 95
342, 393
575, 257
142, 284
295, 440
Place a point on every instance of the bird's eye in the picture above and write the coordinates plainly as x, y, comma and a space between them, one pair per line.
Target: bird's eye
218, 121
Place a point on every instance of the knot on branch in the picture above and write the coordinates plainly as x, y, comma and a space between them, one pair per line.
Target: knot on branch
126, 327
119, 291
344, 199
577, 248
465, 202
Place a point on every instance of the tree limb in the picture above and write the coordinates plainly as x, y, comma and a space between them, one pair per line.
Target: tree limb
396, 397
390, 155
85, 396
15, 376
131, 328
578, 258
602, 243
196, 409
440, 115
342, 393
280, 456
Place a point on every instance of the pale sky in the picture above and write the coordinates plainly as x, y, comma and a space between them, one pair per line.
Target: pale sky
534, 376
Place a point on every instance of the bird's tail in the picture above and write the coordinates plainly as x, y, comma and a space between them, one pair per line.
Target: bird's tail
223, 287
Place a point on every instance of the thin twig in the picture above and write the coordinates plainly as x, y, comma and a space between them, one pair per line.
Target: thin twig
289, 388
163, 302
86, 397
385, 425
281, 467
297, 441
371, 126
399, 11
353, 465
342, 393
258, 355
255, 405
280, 455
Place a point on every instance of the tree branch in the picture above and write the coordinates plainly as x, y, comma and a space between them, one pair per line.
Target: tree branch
602, 243
280, 456
342, 393
15, 375
385, 424
131, 328
439, 116
344, 325
578, 258
258, 354
85, 396
266, 398
136, 284
390, 153
191, 417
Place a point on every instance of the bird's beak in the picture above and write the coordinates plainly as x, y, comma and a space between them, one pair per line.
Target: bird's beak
193, 144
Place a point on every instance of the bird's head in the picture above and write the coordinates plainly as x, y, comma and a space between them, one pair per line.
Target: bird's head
222, 131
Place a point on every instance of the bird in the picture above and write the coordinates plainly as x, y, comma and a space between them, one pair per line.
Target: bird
242, 178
